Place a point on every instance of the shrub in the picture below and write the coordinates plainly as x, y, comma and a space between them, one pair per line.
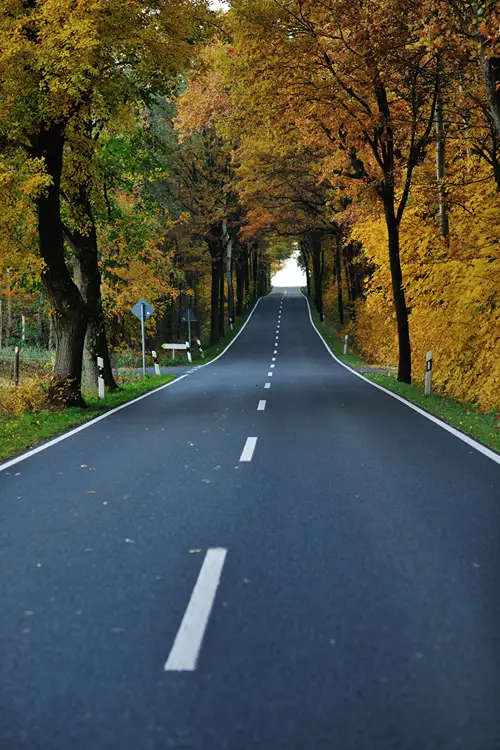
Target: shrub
40, 393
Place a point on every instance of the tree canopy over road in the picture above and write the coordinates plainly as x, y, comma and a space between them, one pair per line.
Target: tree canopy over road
179, 153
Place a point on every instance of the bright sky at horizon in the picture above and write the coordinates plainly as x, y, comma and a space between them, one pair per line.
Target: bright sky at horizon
290, 274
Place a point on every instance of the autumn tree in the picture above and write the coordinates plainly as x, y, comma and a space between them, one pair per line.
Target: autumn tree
57, 60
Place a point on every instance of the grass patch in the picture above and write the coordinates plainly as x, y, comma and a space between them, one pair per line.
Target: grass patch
483, 426
335, 342
22, 432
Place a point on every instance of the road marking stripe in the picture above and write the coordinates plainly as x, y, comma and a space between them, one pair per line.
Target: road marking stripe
274, 358
247, 453
460, 435
273, 365
261, 406
187, 644
276, 351
269, 374
267, 385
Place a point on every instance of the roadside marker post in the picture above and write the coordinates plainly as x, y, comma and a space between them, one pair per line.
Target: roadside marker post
155, 362
428, 373
188, 352
200, 349
16, 366
100, 378
346, 341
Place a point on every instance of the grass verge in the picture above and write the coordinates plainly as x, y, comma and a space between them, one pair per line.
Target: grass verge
482, 426
22, 432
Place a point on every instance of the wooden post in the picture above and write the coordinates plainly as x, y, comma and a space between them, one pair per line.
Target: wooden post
16, 366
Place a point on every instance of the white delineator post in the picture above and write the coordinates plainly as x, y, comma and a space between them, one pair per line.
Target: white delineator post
188, 352
100, 378
428, 372
346, 341
200, 349
155, 362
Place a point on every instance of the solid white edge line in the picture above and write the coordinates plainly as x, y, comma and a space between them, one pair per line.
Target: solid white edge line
75, 430
261, 406
267, 385
460, 435
247, 452
187, 644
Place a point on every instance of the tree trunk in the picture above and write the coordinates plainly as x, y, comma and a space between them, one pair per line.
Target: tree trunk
88, 280
240, 286
491, 72
255, 271
215, 243
221, 298
404, 365
338, 276
70, 313
305, 257
315, 245
444, 227
214, 302
229, 273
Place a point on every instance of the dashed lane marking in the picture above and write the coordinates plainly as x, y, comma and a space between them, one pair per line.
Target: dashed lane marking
247, 452
184, 654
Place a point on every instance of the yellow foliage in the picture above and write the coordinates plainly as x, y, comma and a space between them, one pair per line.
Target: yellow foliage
38, 393
453, 291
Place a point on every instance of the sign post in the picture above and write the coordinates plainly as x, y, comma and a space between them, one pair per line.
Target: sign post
143, 310
189, 317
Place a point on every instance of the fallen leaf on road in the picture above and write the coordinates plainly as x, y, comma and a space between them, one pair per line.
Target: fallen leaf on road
129, 541
91, 492
207, 481
194, 551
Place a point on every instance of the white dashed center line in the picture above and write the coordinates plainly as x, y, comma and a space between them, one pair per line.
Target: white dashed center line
269, 374
267, 385
274, 358
273, 365
261, 406
187, 644
248, 450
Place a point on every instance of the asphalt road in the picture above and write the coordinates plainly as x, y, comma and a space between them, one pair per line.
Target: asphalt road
338, 591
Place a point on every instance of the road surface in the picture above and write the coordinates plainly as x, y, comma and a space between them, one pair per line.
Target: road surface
228, 566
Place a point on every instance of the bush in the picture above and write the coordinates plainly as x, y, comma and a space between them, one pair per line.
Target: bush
40, 393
